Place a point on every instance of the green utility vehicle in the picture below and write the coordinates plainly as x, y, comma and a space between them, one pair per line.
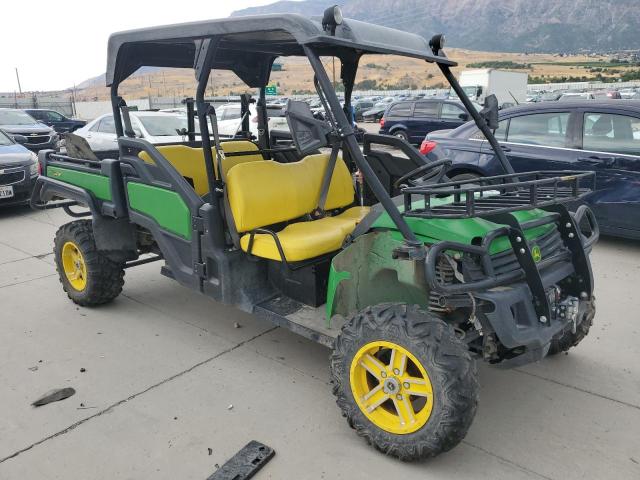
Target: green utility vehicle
408, 276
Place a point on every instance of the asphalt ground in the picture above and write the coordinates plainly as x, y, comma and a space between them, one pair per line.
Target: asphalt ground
171, 387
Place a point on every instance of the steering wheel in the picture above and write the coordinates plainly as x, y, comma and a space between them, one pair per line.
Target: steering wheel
431, 170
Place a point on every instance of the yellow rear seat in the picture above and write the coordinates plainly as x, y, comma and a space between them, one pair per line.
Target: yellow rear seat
267, 193
189, 161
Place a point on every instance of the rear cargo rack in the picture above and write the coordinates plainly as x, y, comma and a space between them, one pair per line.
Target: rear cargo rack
495, 195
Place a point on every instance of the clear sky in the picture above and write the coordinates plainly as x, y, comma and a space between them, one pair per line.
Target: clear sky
55, 44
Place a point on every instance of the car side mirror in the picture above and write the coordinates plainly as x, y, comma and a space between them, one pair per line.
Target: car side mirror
21, 139
490, 112
464, 117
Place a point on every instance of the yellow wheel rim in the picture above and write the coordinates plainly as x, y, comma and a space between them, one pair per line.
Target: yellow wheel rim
391, 387
75, 268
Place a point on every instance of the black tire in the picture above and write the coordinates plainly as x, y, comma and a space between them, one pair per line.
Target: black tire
451, 369
570, 339
401, 134
104, 277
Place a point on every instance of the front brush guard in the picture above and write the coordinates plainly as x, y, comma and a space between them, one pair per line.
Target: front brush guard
568, 226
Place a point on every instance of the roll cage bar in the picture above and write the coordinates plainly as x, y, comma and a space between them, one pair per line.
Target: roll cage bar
248, 46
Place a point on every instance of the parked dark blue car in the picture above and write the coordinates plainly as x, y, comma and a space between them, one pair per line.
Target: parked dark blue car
411, 120
58, 121
601, 136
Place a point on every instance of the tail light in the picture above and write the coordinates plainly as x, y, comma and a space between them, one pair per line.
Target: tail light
382, 122
427, 146
39, 167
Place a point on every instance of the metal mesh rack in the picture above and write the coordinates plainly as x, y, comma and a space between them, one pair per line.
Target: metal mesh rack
495, 195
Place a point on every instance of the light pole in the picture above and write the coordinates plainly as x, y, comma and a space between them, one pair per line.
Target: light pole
18, 77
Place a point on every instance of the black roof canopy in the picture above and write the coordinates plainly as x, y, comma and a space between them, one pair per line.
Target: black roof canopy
248, 45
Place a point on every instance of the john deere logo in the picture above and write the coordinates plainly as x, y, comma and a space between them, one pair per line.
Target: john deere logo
536, 253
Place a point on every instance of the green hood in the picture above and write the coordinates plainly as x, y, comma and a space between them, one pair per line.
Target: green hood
463, 230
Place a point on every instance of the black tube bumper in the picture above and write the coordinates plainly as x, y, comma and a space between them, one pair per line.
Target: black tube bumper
517, 304
511, 314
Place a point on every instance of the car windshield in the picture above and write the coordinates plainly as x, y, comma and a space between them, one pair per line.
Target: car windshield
4, 139
16, 117
163, 125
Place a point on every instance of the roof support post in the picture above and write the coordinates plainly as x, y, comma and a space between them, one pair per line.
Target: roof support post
264, 142
203, 62
348, 70
115, 107
345, 130
480, 122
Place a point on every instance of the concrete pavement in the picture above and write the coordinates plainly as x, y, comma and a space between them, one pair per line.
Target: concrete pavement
164, 365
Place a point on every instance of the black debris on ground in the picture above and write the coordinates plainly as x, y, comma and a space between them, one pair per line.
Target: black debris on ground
54, 396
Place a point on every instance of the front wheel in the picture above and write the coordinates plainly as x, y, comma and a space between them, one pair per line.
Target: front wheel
404, 381
569, 338
87, 275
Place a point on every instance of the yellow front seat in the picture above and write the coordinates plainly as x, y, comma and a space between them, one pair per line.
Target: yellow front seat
261, 194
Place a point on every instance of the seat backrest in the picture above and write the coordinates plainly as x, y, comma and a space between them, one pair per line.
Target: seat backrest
189, 161
266, 193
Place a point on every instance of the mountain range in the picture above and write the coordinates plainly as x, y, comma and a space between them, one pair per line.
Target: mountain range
554, 26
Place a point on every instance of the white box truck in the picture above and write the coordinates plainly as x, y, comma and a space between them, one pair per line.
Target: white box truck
509, 87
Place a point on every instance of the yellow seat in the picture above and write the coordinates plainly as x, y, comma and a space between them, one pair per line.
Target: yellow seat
267, 193
300, 241
353, 215
189, 161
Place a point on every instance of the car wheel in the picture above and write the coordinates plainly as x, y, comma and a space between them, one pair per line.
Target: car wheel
401, 134
465, 176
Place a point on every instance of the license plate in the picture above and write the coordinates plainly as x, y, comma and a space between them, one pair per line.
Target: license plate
6, 191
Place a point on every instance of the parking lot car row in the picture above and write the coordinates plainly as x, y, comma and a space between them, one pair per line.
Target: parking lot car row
603, 137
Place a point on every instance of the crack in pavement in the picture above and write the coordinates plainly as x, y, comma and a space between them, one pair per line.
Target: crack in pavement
16, 260
507, 461
38, 256
588, 392
135, 395
30, 280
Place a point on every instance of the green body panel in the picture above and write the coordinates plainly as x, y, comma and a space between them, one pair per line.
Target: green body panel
96, 184
365, 273
463, 230
335, 277
165, 206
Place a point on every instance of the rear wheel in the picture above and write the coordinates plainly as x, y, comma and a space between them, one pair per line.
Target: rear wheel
88, 276
404, 381
401, 134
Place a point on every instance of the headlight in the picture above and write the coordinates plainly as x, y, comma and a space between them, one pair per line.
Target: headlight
33, 168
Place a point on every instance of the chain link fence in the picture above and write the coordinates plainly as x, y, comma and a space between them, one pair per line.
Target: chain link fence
62, 104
